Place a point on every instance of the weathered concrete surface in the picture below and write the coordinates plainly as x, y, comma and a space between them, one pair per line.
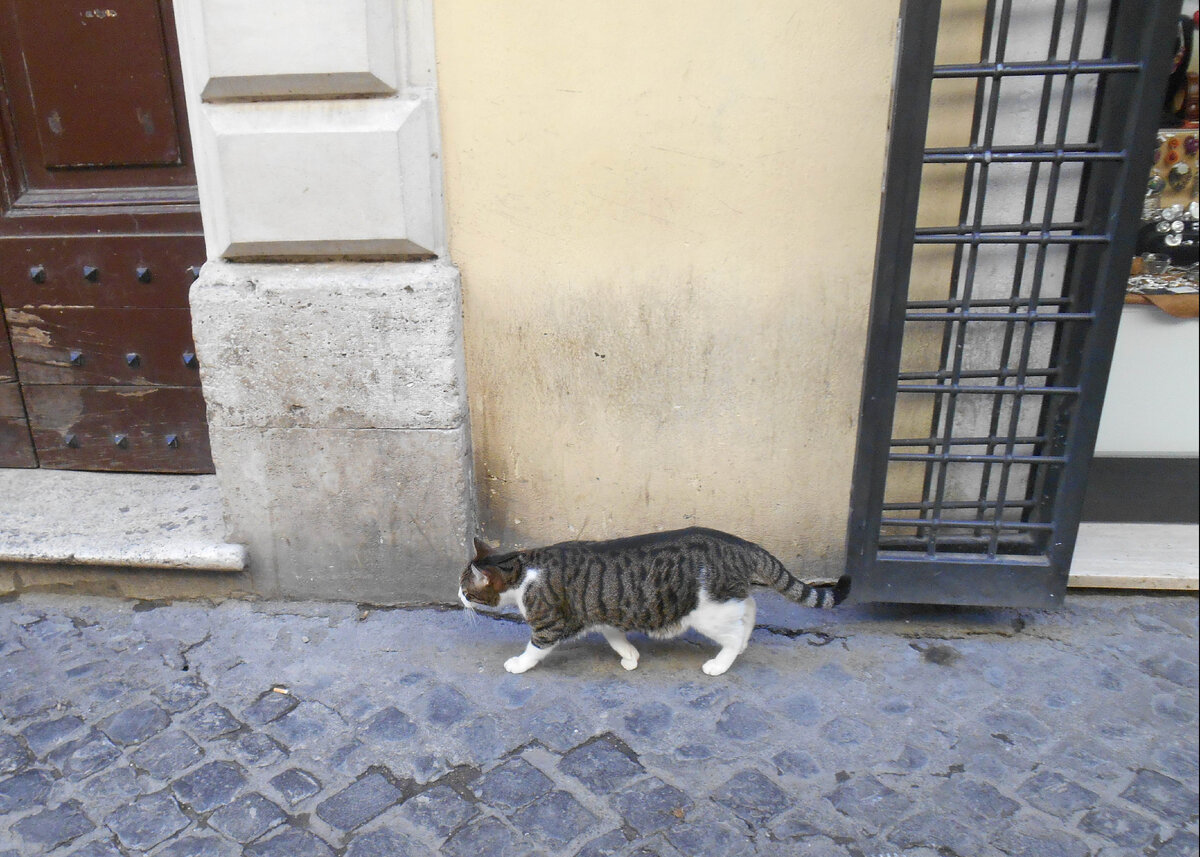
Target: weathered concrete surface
348, 345
142, 728
139, 520
378, 516
337, 415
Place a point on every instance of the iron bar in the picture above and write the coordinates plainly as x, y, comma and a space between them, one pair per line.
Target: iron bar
1014, 526
1028, 317
988, 229
952, 389
980, 458
977, 237
943, 374
1016, 155
962, 441
1026, 69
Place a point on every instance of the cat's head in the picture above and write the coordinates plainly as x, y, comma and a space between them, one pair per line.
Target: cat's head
484, 578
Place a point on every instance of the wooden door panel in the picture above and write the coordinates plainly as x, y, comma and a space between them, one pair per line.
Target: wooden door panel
8, 369
142, 429
89, 345
16, 447
129, 270
95, 102
82, 119
100, 236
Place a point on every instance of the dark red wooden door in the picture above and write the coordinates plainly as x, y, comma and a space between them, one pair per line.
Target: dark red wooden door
99, 240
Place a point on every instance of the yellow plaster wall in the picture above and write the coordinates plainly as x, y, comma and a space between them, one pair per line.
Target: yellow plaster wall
665, 217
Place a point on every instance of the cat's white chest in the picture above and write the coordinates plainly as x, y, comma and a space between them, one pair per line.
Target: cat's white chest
514, 596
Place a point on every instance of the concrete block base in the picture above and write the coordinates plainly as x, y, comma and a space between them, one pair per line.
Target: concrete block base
380, 516
337, 418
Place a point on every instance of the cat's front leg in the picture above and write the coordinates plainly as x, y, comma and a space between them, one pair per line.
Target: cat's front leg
528, 659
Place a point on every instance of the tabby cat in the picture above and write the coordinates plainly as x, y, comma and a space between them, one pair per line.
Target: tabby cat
660, 584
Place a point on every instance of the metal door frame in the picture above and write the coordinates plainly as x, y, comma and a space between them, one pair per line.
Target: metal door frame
1031, 568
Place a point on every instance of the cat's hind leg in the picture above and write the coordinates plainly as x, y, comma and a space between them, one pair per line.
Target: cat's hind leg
748, 617
723, 622
621, 645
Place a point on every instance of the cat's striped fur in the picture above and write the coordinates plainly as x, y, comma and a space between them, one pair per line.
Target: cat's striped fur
660, 584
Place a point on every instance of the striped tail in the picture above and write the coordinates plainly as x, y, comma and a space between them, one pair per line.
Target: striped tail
773, 574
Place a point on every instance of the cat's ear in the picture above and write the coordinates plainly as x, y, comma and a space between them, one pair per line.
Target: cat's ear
482, 549
487, 576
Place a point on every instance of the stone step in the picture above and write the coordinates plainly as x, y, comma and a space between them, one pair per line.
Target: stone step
134, 520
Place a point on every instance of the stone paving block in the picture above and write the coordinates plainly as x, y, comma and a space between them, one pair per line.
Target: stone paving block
359, 802
309, 724
13, 755
256, 749
135, 724
1168, 798
51, 828
27, 704
390, 725
1172, 667
796, 763
247, 818
602, 765
438, 811
1182, 844
166, 755
556, 727
973, 801
291, 842
269, 706
117, 785
482, 738
651, 805
200, 846
866, 798
24, 790
554, 819
649, 719
446, 705
212, 721
295, 785
45, 735
486, 835
385, 843
82, 757
704, 837
511, 785
604, 846
1123, 828
99, 848
742, 721
182, 694
846, 732
1034, 839
1051, 792
936, 831
210, 786
147, 821
753, 798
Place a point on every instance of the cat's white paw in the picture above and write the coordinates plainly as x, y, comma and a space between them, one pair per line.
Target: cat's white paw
629, 663
517, 664
714, 667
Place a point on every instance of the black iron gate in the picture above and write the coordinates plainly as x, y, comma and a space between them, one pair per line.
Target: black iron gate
993, 322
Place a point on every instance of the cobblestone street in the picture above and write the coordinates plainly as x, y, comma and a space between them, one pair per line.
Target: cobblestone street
307, 730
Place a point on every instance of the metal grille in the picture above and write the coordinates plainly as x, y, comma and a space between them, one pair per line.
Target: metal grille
999, 281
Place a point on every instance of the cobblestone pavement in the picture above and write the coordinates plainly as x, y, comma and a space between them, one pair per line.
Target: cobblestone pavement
305, 730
